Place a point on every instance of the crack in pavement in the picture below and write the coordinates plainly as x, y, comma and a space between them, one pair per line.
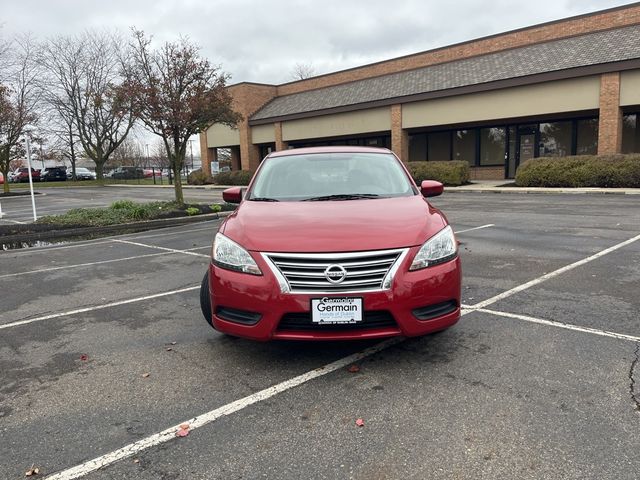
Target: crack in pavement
632, 382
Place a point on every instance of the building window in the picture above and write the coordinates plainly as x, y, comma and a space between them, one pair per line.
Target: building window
418, 147
587, 141
492, 146
555, 139
630, 134
439, 146
464, 146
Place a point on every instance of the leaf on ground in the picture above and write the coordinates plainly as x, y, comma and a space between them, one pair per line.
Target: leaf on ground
360, 422
353, 368
136, 460
84, 357
169, 349
145, 375
183, 431
32, 471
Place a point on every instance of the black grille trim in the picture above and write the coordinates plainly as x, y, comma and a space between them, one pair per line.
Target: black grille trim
370, 320
432, 311
238, 316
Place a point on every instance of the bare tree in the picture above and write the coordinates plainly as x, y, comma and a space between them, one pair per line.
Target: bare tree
128, 152
18, 101
177, 94
300, 71
85, 70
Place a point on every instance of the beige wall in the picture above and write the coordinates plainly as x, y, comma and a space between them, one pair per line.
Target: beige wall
630, 88
219, 135
350, 123
551, 97
263, 133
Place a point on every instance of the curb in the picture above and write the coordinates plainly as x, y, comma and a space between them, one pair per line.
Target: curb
184, 187
119, 228
543, 191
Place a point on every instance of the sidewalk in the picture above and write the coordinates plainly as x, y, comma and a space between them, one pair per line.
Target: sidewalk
497, 186
478, 186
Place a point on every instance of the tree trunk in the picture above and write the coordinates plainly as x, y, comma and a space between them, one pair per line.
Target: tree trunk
99, 169
177, 183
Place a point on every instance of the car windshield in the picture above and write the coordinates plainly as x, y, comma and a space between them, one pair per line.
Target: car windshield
331, 176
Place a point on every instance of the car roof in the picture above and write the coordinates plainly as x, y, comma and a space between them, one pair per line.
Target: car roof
332, 149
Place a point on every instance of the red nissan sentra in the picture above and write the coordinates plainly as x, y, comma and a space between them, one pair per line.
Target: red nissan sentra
333, 243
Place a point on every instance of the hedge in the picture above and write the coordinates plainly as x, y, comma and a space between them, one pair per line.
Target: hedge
581, 171
198, 177
451, 173
234, 177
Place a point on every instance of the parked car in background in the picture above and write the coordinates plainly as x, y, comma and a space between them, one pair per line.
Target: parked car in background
1, 179
149, 173
333, 243
21, 175
54, 174
128, 173
82, 173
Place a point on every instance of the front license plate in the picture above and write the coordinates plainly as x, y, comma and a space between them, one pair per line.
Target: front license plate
336, 310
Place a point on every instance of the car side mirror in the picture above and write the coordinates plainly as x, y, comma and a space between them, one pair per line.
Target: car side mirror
431, 188
232, 195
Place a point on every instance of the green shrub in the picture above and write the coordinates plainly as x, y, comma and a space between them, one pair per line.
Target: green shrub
234, 177
581, 171
198, 177
451, 173
192, 211
122, 211
122, 205
215, 208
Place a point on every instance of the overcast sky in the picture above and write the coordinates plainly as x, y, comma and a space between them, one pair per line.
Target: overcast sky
261, 41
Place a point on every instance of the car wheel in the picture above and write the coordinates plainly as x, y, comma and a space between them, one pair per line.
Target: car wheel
205, 299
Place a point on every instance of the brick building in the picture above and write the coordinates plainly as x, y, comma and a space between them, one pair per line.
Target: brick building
566, 87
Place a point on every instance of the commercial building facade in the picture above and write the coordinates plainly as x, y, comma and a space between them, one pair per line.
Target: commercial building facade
561, 88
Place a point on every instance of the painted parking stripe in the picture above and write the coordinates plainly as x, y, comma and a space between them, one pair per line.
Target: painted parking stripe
567, 326
475, 228
213, 415
173, 250
101, 262
553, 274
103, 240
97, 307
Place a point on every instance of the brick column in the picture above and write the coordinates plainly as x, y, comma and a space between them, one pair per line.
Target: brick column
399, 137
204, 154
610, 123
249, 153
280, 144
235, 158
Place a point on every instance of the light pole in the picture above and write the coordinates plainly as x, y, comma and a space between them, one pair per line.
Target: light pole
191, 148
33, 199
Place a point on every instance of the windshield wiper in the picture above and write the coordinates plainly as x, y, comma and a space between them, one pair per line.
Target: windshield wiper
264, 199
342, 196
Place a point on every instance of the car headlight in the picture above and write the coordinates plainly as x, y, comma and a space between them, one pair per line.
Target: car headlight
228, 254
439, 248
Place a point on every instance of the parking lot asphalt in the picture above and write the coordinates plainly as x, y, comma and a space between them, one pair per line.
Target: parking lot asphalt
104, 352
58, 200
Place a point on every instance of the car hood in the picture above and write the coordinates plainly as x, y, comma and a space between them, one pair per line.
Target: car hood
333, 226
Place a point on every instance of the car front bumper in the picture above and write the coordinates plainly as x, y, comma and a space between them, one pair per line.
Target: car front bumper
254, 307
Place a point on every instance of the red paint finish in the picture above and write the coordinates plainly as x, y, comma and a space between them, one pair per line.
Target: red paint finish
332, 227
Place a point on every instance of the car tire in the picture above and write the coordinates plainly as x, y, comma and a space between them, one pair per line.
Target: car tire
205, 299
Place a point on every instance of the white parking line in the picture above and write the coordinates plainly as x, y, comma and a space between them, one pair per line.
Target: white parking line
173, 250
555, 273
103, 240
204, 419
101, 262
475, 228
96, 307
566, 326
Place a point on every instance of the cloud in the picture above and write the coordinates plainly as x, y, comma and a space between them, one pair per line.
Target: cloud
261, 41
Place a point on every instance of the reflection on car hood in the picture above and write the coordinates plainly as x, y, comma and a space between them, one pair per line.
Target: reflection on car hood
334, 226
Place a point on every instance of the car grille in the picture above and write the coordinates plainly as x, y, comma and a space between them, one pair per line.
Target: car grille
305, 272
370, 319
